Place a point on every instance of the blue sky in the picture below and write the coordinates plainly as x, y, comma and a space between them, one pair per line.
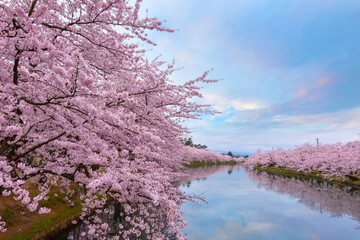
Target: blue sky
289, 68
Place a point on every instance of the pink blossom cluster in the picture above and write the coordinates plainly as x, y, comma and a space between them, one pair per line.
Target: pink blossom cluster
2, 226
331, 159
190, 154
129, 221
44, 210
81, 103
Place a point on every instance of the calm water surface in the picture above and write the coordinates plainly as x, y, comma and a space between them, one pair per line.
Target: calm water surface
243, 204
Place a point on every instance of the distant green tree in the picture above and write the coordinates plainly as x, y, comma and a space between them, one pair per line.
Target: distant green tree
199, 146
189, 142
230, 154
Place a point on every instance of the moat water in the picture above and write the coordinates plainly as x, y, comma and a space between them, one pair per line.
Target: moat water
245, 204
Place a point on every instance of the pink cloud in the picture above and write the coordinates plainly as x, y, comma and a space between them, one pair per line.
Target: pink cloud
323, 82
302, 92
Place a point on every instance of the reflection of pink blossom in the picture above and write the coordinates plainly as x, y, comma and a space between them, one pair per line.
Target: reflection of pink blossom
204, 172
317, 196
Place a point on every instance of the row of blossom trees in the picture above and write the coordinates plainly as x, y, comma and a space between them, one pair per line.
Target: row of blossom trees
190, 154
80, 98
331, 159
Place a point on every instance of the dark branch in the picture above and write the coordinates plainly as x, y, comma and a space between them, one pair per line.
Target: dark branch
13, 145
38, 146
15, 69
32, 7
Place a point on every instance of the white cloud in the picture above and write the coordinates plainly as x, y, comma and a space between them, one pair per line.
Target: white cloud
232, 229
343, 119
240, 133
222, 103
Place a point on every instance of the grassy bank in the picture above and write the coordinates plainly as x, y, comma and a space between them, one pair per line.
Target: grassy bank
203, 163
23, 224
352, 181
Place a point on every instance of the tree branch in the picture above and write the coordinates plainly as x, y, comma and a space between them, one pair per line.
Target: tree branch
38, 146
13, 145
32, 7
15, 70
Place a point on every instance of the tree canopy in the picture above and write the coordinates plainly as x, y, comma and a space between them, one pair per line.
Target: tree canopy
79, 96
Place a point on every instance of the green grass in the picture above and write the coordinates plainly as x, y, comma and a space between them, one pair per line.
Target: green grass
23, 224
7, 216
311, 175
289, 171
50, 224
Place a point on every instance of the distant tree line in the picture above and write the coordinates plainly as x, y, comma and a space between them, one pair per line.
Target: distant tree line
189, 142
237, 156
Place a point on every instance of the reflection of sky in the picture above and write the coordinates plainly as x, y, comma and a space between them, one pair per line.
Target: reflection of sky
238, 209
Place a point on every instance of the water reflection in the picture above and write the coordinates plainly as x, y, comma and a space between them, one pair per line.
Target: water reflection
112, 215
249, 205
315, 194
244, 204
201, 173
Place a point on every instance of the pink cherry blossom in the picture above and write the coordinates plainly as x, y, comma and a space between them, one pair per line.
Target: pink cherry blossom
81, 103
338, 159
44, 210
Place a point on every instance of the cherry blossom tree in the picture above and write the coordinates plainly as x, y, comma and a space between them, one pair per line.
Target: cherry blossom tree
80, 102
191, 154
337, 159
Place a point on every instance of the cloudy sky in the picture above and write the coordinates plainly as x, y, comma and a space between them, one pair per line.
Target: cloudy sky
289, 68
